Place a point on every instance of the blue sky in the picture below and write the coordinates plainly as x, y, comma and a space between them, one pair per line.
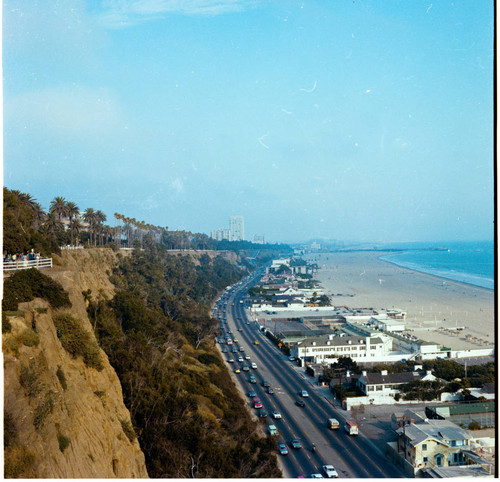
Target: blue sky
352, 120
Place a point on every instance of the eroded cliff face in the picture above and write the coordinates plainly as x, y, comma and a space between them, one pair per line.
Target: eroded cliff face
64, 419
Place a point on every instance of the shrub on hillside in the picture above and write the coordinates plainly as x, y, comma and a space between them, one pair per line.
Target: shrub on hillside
76, 341
26, 284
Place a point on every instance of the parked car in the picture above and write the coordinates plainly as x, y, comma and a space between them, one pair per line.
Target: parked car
330, 471
300, 403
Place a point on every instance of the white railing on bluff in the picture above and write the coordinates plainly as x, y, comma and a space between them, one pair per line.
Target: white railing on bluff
71, 247
39, 263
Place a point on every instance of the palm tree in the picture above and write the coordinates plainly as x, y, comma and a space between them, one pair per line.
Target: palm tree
89, 217
53, 225
76, 228
72, 211
100, 218
59, 207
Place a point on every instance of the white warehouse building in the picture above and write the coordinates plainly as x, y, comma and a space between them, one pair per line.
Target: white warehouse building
327, 349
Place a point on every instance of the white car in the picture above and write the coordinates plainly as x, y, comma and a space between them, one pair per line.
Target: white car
316, 476
254, 366
276, 414
330, 471
304, 393
247, 357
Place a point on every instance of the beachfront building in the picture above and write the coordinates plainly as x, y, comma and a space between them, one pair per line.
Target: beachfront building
329, 348
384, 323
385, 384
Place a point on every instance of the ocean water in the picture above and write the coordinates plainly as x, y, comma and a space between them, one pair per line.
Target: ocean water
468, 262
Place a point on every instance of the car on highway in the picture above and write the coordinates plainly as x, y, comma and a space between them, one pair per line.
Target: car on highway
254, 366
224, 350
235, 350
247, 357
236, 340
330, 471
291, 358
295, 444
262, 413
255, 342
240, 329
275, 414
316, 476
257, 403
303, 393
272, 430
246, 369
251, 393
252, 379
237, 370
300, 403
241, 348
266, 383
270, 390
230, 360
240, 358
282, 449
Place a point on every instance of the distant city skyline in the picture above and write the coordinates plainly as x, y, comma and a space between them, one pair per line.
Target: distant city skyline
368, 121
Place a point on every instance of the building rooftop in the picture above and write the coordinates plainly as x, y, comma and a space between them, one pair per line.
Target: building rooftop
405, 377
440, 430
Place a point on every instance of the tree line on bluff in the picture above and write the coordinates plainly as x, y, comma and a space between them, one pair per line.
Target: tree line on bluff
27, 226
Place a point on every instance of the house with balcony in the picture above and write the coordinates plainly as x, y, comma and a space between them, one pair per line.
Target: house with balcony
432, 445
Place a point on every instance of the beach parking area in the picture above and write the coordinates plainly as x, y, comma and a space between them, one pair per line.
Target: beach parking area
456, 315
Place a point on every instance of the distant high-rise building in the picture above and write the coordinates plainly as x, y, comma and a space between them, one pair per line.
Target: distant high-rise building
259, 239
236, 228
219, 234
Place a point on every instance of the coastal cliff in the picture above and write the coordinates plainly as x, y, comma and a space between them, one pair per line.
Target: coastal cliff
64, 418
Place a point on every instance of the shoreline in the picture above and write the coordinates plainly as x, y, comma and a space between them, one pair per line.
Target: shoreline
435, 275
434, 310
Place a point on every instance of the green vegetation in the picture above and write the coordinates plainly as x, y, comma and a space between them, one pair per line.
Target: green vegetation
128, 430
43, 410
28, 338
63, 442
25, 285
61, 377
159, 337
76, 341
29, 379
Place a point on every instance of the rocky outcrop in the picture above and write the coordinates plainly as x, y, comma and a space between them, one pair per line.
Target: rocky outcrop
64, 419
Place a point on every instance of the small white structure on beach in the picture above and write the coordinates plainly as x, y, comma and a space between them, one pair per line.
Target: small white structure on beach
387, 324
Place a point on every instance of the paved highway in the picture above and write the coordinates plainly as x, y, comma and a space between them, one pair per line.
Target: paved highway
352, 456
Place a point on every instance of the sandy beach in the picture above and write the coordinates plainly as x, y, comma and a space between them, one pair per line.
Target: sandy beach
435, 306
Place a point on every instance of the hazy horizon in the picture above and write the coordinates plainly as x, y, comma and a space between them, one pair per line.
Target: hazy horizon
369, 121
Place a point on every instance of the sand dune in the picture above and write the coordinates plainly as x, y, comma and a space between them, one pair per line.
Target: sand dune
431, 302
